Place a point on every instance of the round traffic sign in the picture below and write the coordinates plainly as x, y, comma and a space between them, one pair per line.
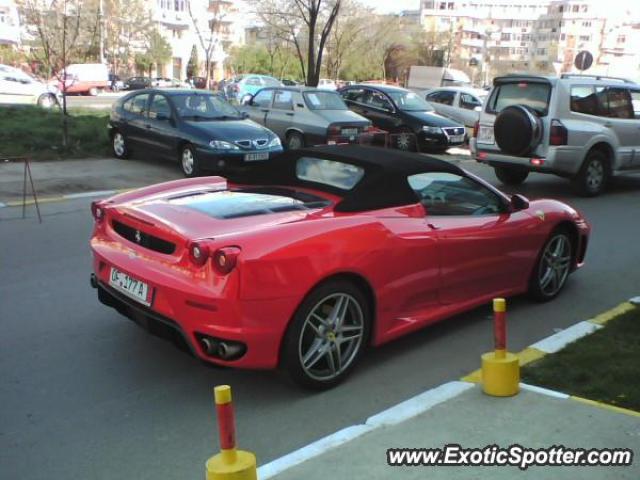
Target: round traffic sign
583, 60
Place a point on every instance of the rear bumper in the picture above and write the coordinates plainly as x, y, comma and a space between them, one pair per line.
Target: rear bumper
564, 161
186, 310
428, 141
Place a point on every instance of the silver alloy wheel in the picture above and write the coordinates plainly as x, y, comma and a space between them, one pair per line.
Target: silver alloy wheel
595, 175
118, 144
331, 337
404, 141
555, 265
187, 161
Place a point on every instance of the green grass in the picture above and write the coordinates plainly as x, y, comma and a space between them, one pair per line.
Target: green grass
603, 366
37, 133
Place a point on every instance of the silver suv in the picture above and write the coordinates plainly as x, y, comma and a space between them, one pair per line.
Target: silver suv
585, 128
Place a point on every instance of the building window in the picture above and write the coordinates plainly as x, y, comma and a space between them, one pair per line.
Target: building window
586, 24
585, 38
576, 8
621, 39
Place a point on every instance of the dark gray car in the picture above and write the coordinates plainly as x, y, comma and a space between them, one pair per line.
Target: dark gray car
303, 116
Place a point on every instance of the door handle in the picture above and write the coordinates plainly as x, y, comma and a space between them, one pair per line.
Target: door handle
289, 114
264, 110
147, 126
432, 226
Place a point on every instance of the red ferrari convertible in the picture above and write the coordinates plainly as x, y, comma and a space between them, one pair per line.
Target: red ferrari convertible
306, 259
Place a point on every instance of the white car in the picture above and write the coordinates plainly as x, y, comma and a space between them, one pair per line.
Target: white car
327, 84
17, 87
461, 104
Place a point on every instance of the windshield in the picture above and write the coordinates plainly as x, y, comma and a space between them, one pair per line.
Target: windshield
324, 101
409, 101
271, 82
199, 106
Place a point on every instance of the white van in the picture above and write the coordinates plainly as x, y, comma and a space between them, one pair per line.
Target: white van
86, 78
16, 87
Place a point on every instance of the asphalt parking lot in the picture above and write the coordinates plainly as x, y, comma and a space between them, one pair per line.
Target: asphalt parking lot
87, 394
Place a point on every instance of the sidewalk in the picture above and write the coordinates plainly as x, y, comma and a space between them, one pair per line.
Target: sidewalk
64, 177
472, 419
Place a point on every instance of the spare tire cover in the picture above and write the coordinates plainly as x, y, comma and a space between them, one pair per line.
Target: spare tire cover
517, 130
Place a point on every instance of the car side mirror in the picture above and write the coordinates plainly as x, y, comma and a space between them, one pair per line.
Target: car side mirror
477, 109
518, 202
247, 100
244, 115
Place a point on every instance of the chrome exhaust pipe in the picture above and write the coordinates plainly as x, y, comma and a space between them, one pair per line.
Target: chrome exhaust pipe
226, 351
209, 346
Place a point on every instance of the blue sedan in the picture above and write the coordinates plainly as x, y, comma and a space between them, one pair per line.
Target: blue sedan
198, 128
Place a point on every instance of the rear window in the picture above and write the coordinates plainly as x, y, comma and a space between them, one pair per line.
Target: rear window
324, 101
248, 202
533, 95
328, 172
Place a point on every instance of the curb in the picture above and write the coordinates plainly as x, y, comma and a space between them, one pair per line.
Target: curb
393, 415
62, 198
557, 342
427, 400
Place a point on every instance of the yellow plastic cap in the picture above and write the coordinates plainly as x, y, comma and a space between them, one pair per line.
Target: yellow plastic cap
499, 305
222, 394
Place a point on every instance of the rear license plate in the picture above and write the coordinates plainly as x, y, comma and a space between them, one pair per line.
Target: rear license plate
456, 139
485, 135
254, 157
130, 286
349, 132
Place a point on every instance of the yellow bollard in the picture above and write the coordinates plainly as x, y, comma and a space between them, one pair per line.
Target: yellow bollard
230, 463
500, 369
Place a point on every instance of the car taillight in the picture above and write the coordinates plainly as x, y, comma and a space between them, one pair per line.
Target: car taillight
225, 259
199, 253
236, 87
97, 210
476, 129
558, 134
334, 130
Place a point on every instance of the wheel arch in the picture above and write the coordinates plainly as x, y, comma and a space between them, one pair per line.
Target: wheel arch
606, 149
574, 236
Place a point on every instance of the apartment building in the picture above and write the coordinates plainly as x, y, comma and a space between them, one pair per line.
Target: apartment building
492, 37
9, 23
211, 25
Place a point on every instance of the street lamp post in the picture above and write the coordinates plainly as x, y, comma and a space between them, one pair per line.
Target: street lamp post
101, 30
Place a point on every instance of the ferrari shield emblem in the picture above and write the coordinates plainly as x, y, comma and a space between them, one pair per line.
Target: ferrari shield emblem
540, 214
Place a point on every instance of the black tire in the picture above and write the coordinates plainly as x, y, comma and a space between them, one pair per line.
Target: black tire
327, 370
119, 145
538, 290
47, 101
511, 175
593, 176
185, 152
294, 141
93, 91
405, 140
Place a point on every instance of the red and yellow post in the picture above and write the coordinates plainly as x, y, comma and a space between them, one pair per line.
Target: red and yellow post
500, 369
230, 463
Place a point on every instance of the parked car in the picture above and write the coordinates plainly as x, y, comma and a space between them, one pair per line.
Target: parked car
458, 103
84, 79
327, 84
198, 128
287, 82
17, 87
585, 128
161, 82
249, 84
306, 260
303, 116
115, 83
405, 114
199, 82
137, 83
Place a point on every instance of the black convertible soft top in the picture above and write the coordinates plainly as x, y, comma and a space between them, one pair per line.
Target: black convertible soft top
383, 185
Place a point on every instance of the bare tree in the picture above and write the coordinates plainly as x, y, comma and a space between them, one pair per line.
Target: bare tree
349, 28
208, 37
56, 27
306, 24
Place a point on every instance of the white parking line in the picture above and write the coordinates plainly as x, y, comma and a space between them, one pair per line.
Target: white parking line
561, 339
95, 193
396, 414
